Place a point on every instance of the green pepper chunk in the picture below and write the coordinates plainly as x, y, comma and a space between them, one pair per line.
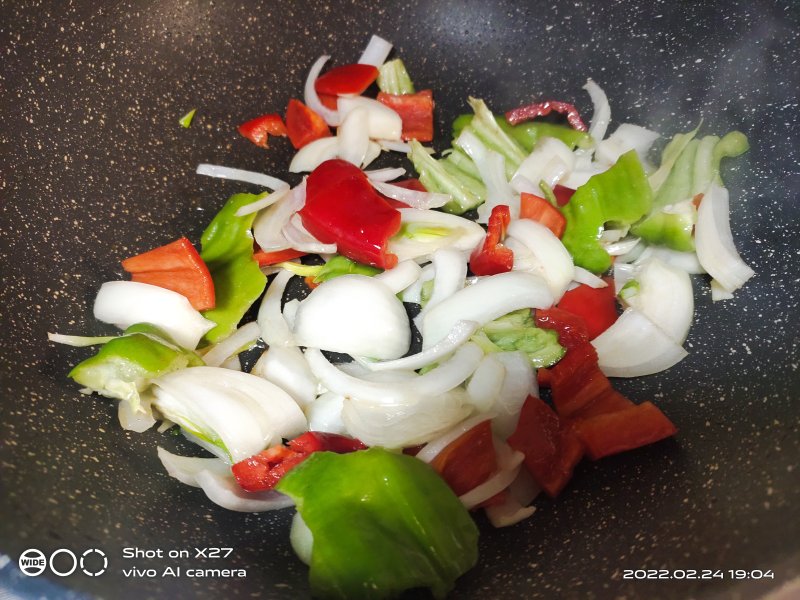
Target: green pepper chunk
621, 195
528, 133
517, 331
227, 249
125, 365
335, 267
381, 523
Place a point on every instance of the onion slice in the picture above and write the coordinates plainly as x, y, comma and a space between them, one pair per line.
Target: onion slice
286, 367
274, 328
400, 276
432, 449
384, 175
495, 484
242, 338
553, 261
331, 117
253, 177
414, 198
376, 52
263, 202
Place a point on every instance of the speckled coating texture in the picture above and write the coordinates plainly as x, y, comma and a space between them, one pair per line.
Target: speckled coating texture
94, 168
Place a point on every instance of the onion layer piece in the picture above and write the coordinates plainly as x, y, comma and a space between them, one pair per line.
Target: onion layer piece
519, 383
241, 339
215, 478
376, 52
325, 414
635, 346
423, 232
553, 261
400, 277
356, 315
382, 123
266, 181
626, 137
286, 367
714, 241
495, 484
414, 198
331, 117
274, 328
124, 303
432, 449
236, 414
486, 300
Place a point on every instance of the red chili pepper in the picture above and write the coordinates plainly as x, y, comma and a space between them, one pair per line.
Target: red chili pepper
259, 129
540, 109
634, 427
347, 79
177, 267
264, 470
596, 306
492, 257
540, 210
469, 460
343, 208
551, 449
304, 125
416, 112
265, 259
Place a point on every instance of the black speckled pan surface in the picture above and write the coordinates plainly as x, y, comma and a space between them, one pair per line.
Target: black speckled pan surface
94, 168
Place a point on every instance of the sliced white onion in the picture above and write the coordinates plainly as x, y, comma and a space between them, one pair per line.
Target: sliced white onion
634, 346
450, 270
492, 168
519, 383
551, 161
413, 293
301, 538
686, 261
266, 181
622, 247
554, 262
486, 382
376, 52
494, 485
269, 224
354, 314
396, 146
290, 311
139, 420
262, 202
414, 198
488, 299
313, 154
274, 328
124, 303
623, 273
432, 449
400, 277
462, 234
286, 367
588, 278
601, 115
382, 122
242, 338
233, 363
299, 238
219, 484
718, 292
516, 507
665, 297
388, 174
373, 152
583, 172
331, 117
325, 414
79, 341
627, 137
239, 413
714, 241
353, 136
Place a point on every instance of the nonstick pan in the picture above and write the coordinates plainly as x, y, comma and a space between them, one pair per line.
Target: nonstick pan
94, 168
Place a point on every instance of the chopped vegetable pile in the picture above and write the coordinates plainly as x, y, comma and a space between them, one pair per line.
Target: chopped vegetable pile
581, 274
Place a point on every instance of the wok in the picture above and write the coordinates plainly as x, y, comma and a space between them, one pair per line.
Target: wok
95, 168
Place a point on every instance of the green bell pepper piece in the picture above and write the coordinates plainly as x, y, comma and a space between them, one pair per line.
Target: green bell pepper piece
517, 331
621, 195
673, 230
528, 133
445, 178
381, 523
125, 365
335, 267
227, 249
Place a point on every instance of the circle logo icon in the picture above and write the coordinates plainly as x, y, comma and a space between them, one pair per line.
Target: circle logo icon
102, 556
32, 562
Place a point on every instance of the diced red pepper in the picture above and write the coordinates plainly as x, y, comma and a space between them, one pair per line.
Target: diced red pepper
499, 498
263, 471
259, 129
551, 449
469, 460
571, 329
543, 377
343, 208
265, 259
540, 109
634, 427
410, 184
416, 112
562, 194
540, 210
347, 79
177, 267
491, 257
596, 306
608, 401
331, 102
304, 125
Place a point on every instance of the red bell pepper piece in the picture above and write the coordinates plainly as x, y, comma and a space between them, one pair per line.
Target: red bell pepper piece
540, 109
469, 460
177, 267
347, 79
265, 259
410, 184
571, 329
343, 208
259, 129
304, 125
562, 194
596, 306
540, 210
611, 433
416, 112
264, 470
331, 102
491, 257
551, 449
